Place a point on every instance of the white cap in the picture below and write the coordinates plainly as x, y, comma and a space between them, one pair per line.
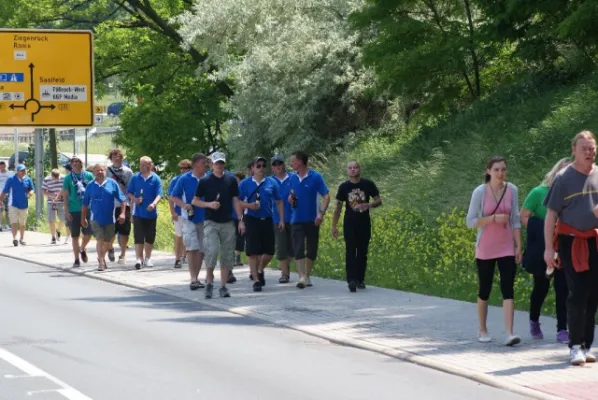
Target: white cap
218, 156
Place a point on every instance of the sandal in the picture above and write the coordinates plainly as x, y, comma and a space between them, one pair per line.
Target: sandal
284, 279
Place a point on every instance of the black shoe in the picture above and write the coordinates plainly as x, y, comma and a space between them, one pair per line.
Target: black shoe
178, 264
137, 265
360, 285
76, 264
231, 277
352, 286
84, 255
196, 285
58, 235
262, 278
209, 290
250, 277
53, 240
301, 284
284, 279
257, 287
15, 242
223, 292
111, 255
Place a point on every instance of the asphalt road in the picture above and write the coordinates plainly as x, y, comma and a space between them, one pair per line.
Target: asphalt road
63, 336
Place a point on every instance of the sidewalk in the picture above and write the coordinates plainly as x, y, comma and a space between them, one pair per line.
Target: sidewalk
430, 331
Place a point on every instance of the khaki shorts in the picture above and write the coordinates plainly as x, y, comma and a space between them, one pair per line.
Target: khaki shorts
105, 232
17, 215
219, 239
193, 236
178, 226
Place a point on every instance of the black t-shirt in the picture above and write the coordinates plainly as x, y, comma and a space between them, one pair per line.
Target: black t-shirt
353, 194
211, 188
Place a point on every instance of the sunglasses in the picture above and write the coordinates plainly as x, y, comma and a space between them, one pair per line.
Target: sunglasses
260, 165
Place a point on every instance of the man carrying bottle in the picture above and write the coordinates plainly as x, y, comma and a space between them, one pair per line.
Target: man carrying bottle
145, 191
258, 195
192, 217
218, 194
283, 238
357, 228
122, 176
73, 189
307, 217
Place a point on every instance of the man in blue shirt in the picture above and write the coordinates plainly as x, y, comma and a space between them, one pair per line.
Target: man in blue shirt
144, 191
307, 214
192, 216
175, 213
284, 240
257, 195
19, 189
99, 197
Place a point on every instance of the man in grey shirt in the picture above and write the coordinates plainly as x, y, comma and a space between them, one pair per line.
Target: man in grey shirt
573, 200
122, 175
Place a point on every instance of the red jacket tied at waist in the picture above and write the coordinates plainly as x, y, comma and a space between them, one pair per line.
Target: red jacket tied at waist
580, 252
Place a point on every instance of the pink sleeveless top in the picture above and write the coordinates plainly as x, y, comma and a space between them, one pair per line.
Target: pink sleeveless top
497, 240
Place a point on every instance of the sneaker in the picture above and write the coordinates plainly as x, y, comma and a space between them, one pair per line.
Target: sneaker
184, 260
257, 286
308, 282
53, 240
301, 283
284, 279
1, 228
149, 263
111, 255
238, 262
76, 264
178, 264
223, 291
84, 255
250, 277
67, 238
122, 260
262, 277
577, 356
484, 338
22, 242
138, 264
590, 357
535, 331
360, 285
58, 234
562, 336
209, 290
352, 286
512, 340
196, 285
231, 277
15, 242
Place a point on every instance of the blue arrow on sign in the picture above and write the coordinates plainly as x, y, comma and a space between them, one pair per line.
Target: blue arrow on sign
15, 77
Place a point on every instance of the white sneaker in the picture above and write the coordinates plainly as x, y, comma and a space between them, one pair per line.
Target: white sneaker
122, 260
590, 357
66, 239
484, 338
149, 263
512, 340
577, 356
138, 263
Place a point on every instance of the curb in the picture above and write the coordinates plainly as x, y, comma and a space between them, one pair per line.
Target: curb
402, 355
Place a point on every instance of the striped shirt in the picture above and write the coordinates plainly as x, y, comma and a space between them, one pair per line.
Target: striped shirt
53, 186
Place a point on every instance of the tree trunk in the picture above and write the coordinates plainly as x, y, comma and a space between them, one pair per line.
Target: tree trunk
53, 150
474, 56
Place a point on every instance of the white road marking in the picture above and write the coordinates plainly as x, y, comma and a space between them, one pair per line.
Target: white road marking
31, 370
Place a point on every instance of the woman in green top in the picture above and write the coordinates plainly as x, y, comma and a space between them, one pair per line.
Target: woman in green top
533, 213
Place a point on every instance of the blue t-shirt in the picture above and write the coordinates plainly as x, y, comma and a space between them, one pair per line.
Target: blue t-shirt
17, 190
306, 192
185, 189
151, 188
173, 182
100, 200
268, 195
284, 188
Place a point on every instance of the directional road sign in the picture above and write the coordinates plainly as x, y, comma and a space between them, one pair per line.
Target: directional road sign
46, 78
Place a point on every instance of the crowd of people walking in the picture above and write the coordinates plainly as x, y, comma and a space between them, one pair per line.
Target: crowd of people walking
217, 215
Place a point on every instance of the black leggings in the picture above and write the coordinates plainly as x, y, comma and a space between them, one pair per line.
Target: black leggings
507, 269
541, 287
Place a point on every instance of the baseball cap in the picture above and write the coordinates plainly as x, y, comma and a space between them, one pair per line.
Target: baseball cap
277, 159
76, 157
256, 159
20, 167
218, 156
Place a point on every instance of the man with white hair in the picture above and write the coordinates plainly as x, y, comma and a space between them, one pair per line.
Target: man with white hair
145, 191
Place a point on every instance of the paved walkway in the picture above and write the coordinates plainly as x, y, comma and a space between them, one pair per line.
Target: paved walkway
435, 332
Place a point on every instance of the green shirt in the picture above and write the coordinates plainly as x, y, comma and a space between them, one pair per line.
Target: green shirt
75, 199
535, 201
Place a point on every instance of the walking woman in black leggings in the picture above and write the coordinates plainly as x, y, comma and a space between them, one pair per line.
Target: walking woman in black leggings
533, 214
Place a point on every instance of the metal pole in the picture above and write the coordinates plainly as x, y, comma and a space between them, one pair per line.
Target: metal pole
86, 131
74, 141
16, 133
39, 173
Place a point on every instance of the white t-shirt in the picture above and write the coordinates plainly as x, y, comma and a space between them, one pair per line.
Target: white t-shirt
3, 178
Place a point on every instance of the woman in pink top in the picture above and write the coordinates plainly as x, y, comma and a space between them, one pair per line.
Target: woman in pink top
493, 211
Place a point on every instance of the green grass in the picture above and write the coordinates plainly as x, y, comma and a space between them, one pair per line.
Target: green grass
100, 144
7, 149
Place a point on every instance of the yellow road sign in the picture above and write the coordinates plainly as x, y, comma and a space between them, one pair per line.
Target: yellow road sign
46, 78
98, 109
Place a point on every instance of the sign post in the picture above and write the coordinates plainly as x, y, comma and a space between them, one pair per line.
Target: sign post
46, 78
16, 135
39, 173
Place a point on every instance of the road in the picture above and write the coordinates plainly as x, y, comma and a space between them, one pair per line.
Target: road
65, 336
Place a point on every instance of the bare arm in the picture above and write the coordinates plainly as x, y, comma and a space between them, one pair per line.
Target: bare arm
376, 203
549, 226
179, 202
325, 202
157, 200
239, 210
525, 216
280, 207
337, 214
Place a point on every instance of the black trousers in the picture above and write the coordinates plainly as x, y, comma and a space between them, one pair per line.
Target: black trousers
507, 269
583, 294
539, 292
357, 240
